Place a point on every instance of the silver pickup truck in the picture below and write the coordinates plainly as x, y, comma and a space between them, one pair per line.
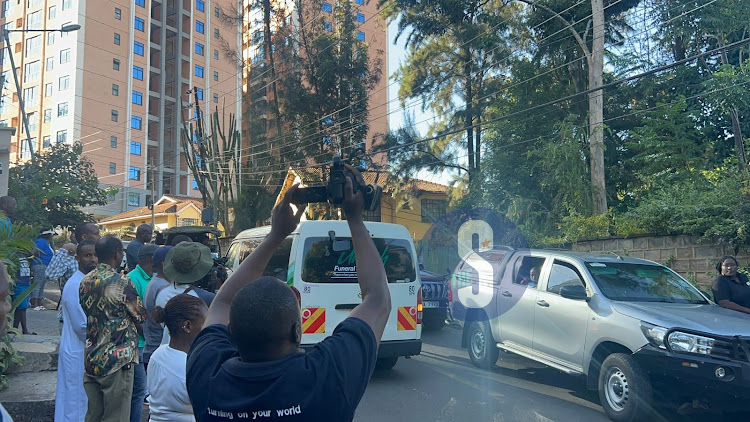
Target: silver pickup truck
635, 329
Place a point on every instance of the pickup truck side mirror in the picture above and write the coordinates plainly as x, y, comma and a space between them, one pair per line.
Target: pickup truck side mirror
574, 292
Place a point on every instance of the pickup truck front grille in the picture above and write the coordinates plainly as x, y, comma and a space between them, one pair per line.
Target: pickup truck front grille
433, 291
737, 348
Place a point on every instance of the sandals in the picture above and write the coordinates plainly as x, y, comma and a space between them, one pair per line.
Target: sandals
40, 308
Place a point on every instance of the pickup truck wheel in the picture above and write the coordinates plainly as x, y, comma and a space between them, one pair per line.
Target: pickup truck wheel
624, 389
386, 364
482, 348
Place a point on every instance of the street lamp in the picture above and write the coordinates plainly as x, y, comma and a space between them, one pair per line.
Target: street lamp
6, 38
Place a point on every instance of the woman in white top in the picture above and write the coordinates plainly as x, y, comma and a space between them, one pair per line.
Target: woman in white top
183, 315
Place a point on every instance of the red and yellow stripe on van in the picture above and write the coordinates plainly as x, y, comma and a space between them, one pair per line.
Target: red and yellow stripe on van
407, 318
313, 320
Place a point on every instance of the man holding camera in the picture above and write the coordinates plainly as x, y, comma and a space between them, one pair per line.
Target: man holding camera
246, 362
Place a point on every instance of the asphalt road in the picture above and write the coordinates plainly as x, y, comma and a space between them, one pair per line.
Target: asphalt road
442, 385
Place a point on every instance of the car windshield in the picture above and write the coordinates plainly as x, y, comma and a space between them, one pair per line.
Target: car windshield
642, 283
323, 264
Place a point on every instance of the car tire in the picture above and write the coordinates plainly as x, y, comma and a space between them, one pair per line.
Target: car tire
483, 350
434, 321
386, 364
624, 389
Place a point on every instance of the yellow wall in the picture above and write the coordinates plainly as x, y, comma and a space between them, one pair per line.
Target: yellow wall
411, 218
163, 222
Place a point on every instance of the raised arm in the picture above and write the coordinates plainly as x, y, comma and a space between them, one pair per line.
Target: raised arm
283, 223
373, 283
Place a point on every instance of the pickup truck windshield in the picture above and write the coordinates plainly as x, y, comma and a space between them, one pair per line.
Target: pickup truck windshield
642, 283
322, 264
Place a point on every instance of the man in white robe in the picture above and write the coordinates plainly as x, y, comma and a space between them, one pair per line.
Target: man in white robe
71, 402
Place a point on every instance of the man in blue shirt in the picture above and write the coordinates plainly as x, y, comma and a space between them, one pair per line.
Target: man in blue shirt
246, 361
39, 267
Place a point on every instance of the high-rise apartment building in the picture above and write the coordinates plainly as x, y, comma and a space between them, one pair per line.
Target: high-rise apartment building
120, 84
257, 80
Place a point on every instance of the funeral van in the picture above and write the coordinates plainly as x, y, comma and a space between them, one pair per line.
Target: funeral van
318, 260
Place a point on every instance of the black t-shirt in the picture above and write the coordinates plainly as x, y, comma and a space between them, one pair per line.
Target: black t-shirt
724, 287
325, 383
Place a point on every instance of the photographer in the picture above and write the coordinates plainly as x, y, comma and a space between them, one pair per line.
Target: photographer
257, 319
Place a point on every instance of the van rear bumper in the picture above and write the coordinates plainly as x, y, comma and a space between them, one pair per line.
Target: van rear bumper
395, 348
390, 349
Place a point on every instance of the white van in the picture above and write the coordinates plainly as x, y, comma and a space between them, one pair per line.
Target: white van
318, 260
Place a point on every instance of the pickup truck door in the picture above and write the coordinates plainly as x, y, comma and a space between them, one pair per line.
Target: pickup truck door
517, 301
560, 324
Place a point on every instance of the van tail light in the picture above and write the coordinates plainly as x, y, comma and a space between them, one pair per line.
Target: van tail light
420, 306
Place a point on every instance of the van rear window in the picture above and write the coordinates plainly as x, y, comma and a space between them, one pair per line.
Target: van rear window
321, 264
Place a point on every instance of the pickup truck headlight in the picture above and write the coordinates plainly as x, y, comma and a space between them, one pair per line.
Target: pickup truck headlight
690, 343
654, 334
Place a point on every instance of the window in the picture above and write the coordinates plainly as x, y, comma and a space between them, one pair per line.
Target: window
141, 3
137, 48
199, 49
112, 168
134, 199
527, 270
216, 75
34, 20
51, 38
135, 148
136, 122
63, 83
216, 32
360, 35
31, 96
62, 109
33, 121
115, 90
216, 54
34, 45
47, 115
62, 136
25, 153
216, 12
117, 39
138, 73
52, 12
216, 98
46, 141
432, 209
6, 9
113, 141
361, 17
48, 90
563, 274
135, 173
200, 6
199, 27
115, 115
195, 184
67, 4
50, 63
199, 71
139, 24
326, 7
328, 26
118, 14
115, 64
137, 98
31, 71
65, 56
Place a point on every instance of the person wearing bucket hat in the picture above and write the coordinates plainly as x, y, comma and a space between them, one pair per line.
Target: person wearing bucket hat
152, 331
185, 264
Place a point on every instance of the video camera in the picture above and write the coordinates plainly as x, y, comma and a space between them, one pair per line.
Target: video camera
334, 191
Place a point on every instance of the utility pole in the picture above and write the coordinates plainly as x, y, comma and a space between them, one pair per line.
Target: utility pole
24, 117
153, 181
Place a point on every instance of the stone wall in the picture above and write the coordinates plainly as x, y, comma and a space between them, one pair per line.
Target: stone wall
691, 258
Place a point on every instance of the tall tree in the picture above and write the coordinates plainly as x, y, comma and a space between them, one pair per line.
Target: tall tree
52, 189
455, 52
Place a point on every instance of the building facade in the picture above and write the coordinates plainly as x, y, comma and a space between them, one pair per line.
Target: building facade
122, 85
